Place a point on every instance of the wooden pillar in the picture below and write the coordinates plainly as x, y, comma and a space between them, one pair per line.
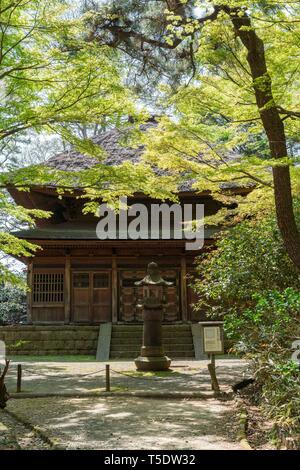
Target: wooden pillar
184, 310
30, 291
114, 289
67, 289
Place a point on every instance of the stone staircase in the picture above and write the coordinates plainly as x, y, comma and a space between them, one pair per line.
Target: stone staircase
126, 341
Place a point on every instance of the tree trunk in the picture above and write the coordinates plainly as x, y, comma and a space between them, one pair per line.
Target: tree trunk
284, 211
275, 132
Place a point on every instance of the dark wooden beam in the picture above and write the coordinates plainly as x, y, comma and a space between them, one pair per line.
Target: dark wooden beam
114, 289
30, 291
183, 288
67, 288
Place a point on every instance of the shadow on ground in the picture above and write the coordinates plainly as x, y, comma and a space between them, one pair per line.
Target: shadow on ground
82, 377
114, 423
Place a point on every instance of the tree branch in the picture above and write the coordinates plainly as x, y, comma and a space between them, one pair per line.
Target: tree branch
288, 113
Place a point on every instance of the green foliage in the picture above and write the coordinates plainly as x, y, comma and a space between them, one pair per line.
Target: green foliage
266, 333
215, 134
12, 303
250, 283
249, 258
9, 244
51, 78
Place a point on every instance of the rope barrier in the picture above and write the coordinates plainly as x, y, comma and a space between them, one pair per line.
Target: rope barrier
107, 370
155, 378
63, 376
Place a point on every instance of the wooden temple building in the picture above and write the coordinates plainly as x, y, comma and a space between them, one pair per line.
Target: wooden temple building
75, 278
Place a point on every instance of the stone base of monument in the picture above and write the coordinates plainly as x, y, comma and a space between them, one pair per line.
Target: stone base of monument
152, 363
152, 358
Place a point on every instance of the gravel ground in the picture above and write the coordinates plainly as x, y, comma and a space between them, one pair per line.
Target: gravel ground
80, 377
123, 423
114, 423
15, 436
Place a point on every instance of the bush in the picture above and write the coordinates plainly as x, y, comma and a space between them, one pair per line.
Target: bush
266, 333
12, 304
250, 283
249, 258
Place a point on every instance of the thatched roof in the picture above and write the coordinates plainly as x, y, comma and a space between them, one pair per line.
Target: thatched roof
110, 141
117, 153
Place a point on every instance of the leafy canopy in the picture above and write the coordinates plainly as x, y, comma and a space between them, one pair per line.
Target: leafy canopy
50, 79
214, 132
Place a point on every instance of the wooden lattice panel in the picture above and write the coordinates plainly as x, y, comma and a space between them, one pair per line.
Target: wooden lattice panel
171, 311
48, 288
129, 296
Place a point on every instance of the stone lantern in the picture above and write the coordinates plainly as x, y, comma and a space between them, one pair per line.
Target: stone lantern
152, 357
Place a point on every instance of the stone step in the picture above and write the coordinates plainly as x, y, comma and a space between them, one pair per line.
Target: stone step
166, 340
167, 346
133, 355
134, 328
126, 341
172, 326
137, 334
82, 340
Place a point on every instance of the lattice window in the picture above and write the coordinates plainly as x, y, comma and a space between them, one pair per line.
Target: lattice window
48, 287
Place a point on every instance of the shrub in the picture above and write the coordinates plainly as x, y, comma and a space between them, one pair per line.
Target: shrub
249, 281
249, 258
12, 304
266, 333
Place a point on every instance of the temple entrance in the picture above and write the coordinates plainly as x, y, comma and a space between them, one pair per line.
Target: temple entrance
129, 294
91, 297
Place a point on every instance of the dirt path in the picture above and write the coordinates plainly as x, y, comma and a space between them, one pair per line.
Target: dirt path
114, 423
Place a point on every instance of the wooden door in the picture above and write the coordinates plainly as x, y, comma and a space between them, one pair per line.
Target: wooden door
192, 299
91, 297
81, 311
101, 297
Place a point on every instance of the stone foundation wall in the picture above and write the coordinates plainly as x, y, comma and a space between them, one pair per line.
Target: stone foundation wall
50, 340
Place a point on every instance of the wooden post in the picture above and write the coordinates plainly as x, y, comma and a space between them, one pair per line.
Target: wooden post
19, 378
114, 290
68, 289
183, 289
30, 291
212, 371
107, 378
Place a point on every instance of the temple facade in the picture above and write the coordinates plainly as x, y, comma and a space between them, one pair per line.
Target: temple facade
76, 278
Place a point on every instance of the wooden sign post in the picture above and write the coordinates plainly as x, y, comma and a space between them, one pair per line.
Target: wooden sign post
212, 343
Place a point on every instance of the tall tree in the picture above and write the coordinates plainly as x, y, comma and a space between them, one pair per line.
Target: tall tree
243, 56
49, 85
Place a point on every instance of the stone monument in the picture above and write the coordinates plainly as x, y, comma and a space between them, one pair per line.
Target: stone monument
152, 357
